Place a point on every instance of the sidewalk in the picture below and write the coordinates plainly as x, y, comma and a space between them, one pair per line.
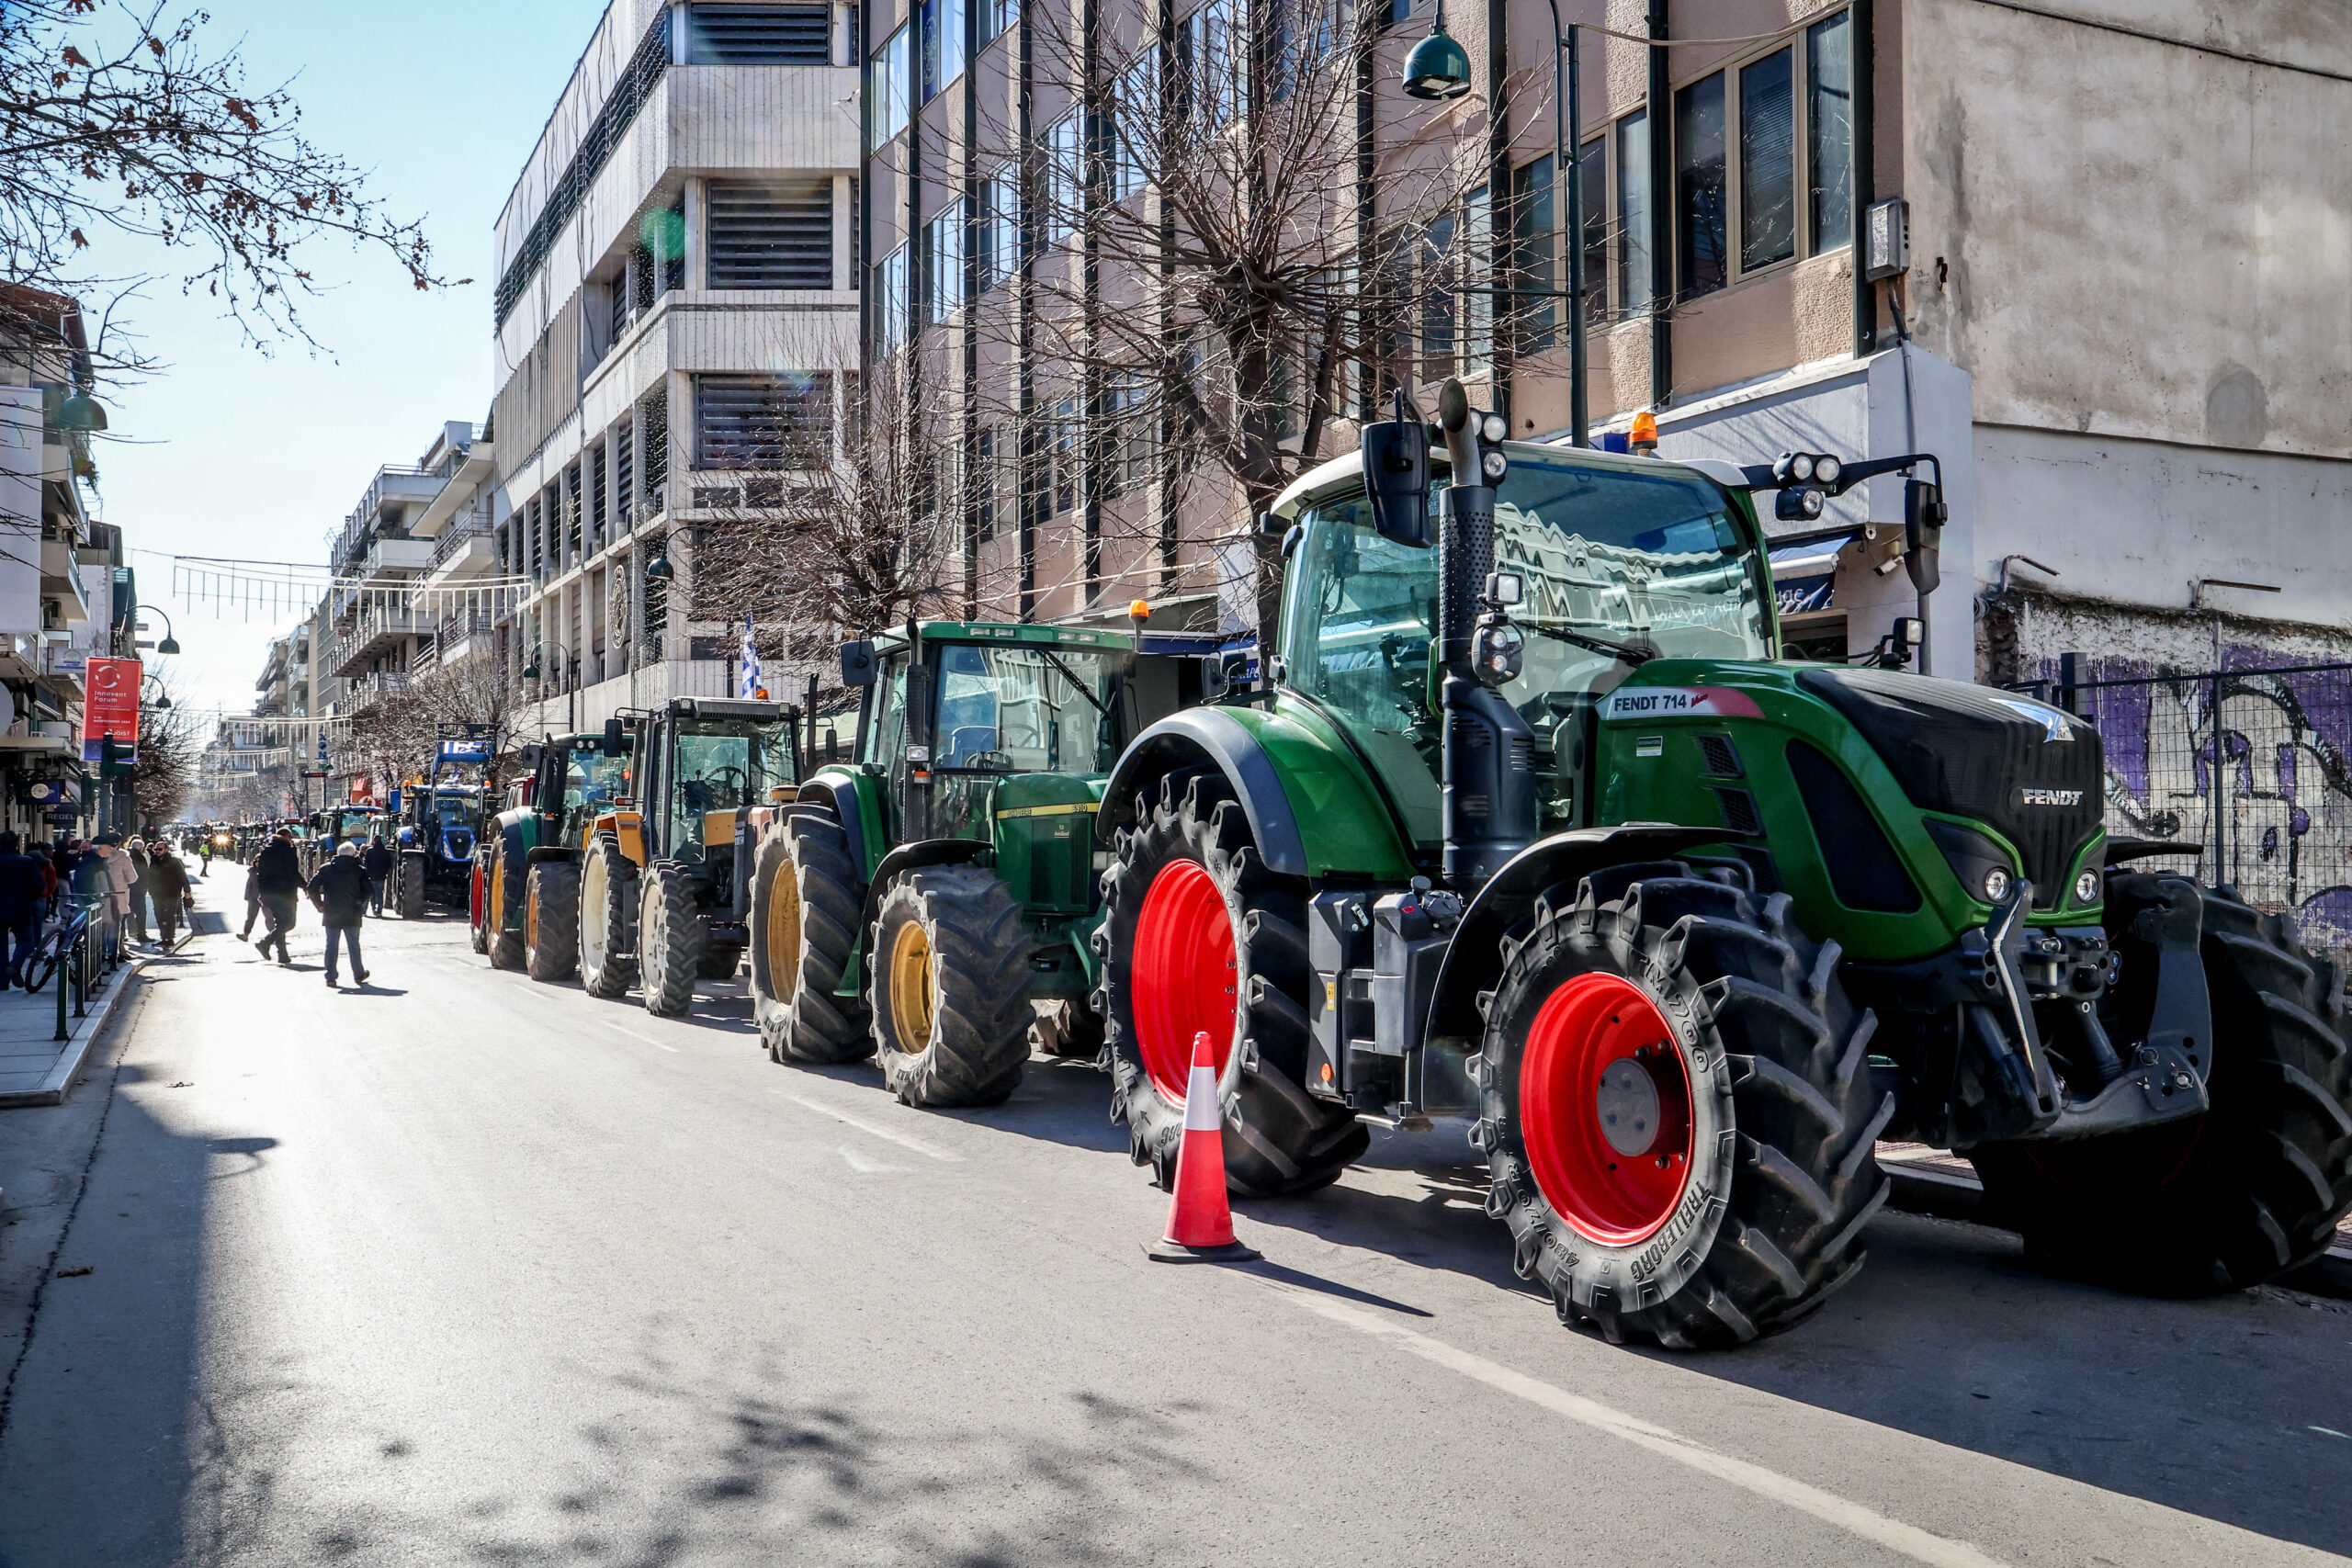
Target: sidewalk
37, 1068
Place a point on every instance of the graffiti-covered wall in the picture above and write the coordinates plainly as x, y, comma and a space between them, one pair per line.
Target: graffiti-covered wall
2246, 756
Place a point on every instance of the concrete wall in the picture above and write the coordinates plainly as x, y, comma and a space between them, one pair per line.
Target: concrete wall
2120, 237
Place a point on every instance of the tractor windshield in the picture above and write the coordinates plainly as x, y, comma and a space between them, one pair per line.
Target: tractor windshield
1652, 559
589, 778
1023, 709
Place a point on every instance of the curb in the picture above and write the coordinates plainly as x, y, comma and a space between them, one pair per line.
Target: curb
54, 1087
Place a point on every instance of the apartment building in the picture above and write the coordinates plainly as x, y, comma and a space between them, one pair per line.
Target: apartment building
676, 320
2103, 274
66, 593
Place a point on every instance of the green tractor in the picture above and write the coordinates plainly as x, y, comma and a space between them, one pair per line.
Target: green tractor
1531, 825
656, 879
928, 903
570, 778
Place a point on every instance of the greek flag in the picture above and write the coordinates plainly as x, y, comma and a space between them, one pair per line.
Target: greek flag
750, 662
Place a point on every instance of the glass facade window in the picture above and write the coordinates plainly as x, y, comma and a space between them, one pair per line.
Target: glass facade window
1437, 297
1593, 169
1829, 131
943, 264
995, 227
888, 301
1702, 200
1533, 227
1768, 161
1065, 174
889, 88
943, 45
1635, 270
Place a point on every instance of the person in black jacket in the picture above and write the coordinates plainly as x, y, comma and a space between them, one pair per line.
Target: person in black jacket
339, 890
278, 877
21, 885
378, 863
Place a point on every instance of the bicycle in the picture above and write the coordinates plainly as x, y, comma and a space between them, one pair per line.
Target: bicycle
54, 947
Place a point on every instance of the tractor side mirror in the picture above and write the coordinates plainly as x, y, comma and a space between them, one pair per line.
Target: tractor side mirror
616, 738
529, 758
857, 663
1396, 477
1923, 515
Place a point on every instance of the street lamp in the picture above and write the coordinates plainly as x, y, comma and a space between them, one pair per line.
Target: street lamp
170, 645
1437, 70
658, 569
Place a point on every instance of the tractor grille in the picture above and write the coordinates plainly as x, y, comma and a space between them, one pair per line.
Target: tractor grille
2031, 774
1721, 756
1739, 811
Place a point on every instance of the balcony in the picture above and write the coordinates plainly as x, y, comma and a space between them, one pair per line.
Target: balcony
395, 556
378, 684
465, 550
370, 628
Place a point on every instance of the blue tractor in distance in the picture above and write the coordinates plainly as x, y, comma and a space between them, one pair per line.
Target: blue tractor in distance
438, 827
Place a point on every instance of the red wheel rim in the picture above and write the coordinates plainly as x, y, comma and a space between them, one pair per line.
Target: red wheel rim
1605, 1108
1183, 976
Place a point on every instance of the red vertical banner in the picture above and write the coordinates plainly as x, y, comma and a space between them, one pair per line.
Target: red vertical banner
111, 706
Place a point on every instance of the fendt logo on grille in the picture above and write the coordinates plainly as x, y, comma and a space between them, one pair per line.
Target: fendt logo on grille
2049, 797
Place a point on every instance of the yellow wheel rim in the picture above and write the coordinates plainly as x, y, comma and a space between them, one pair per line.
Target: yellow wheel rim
784, 933
530, 922
493, 919
910, 988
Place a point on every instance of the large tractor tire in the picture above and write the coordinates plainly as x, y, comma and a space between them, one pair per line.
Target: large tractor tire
1678, 1114
408, 887
951, 987
1068, 1027
607, 919
1198, 935
672, 940
502, 909
551, 922
478, 904
2249, 1190
804, 907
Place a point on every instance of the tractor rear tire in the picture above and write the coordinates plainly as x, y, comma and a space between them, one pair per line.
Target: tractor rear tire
1678, 1112
1225, 952
477, 903
805, 906
2252, 1189
551, 922
1068, 1027
950, 995
721, 963
410, 887
608, 920
501, 911
672, 940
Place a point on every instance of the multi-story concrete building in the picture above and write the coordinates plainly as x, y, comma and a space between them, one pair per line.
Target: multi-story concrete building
676, 295
2106, 278
66, 595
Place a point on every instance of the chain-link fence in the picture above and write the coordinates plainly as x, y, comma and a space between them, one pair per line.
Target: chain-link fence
2249, 764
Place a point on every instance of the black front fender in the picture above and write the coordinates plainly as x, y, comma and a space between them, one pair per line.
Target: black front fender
1474, 958
1208, 737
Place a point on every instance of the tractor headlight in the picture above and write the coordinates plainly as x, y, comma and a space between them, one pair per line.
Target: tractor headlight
2087, 887
1494, 427
1500, 649
1826, 469
1996, 886
1493, 466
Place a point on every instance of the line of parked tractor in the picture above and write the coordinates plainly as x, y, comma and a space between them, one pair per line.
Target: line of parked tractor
1526, 820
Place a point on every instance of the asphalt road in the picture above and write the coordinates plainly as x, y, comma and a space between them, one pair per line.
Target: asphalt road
465, 1268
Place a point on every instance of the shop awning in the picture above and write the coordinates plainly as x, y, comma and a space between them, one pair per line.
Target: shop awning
1805, 569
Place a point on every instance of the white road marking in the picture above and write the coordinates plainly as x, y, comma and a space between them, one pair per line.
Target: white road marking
1911, 1541
864, 1166
633, 1034
904, 1140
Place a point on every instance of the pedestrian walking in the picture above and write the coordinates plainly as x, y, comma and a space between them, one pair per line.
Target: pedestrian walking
377, 864
170, 891
339, 890
252, 903
45, 859
116, 877
204, 852
277, 882
20, 904
135, 891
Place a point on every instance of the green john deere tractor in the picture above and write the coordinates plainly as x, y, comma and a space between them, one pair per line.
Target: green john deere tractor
522, 920
1533, 826
928, 903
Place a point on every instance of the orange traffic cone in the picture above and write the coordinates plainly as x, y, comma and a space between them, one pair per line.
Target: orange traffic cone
1200, 1224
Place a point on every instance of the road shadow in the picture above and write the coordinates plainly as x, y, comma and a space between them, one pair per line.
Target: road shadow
2209, 1405
96, 1462
741, 1463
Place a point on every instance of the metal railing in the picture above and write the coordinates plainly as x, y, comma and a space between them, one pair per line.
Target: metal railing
2253, 766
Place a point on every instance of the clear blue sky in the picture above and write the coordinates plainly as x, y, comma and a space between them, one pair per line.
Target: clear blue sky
237, 454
